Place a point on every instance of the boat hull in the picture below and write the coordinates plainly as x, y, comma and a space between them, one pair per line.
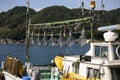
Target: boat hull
9, 76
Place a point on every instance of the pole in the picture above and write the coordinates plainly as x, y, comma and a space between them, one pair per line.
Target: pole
92, 25
92, 5
27, 32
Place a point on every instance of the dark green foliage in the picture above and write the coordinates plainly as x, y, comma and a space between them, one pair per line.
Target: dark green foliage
12, 22
14, 17
114, 16
53, 14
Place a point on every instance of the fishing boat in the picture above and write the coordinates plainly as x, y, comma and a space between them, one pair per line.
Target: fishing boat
101, 62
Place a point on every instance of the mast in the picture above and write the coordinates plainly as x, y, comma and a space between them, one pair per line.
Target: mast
27, 32
92, 5
82, 6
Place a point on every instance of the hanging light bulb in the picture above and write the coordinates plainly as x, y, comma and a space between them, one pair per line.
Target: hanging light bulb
70, 40
64, 34
44, 41
52, 40
82, 38
31, 39
38, 40
75, 28
60, 40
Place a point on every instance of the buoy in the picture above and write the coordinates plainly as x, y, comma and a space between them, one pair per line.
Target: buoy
26, 78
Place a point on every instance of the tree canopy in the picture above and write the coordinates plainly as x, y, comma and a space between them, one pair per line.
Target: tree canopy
12, 22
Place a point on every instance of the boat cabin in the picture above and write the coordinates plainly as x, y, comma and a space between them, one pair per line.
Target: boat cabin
101, 62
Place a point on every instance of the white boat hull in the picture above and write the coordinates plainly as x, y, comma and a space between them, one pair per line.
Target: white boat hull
9, 76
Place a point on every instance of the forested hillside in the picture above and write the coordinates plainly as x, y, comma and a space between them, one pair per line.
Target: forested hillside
12, 22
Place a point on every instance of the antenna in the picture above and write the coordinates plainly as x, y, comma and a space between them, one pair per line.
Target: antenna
82, 6
102, 5
27, 31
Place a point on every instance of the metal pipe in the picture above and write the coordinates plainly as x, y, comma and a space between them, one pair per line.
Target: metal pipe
92, 5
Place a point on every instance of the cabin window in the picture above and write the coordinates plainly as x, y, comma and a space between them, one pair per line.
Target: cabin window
101, 51
93, 74
115, 73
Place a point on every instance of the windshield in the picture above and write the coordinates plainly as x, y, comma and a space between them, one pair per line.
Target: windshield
101, 51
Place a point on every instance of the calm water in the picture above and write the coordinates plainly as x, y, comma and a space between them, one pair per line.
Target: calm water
39, 54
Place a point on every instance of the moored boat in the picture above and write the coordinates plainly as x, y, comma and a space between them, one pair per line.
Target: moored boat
13, 69
101, 62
